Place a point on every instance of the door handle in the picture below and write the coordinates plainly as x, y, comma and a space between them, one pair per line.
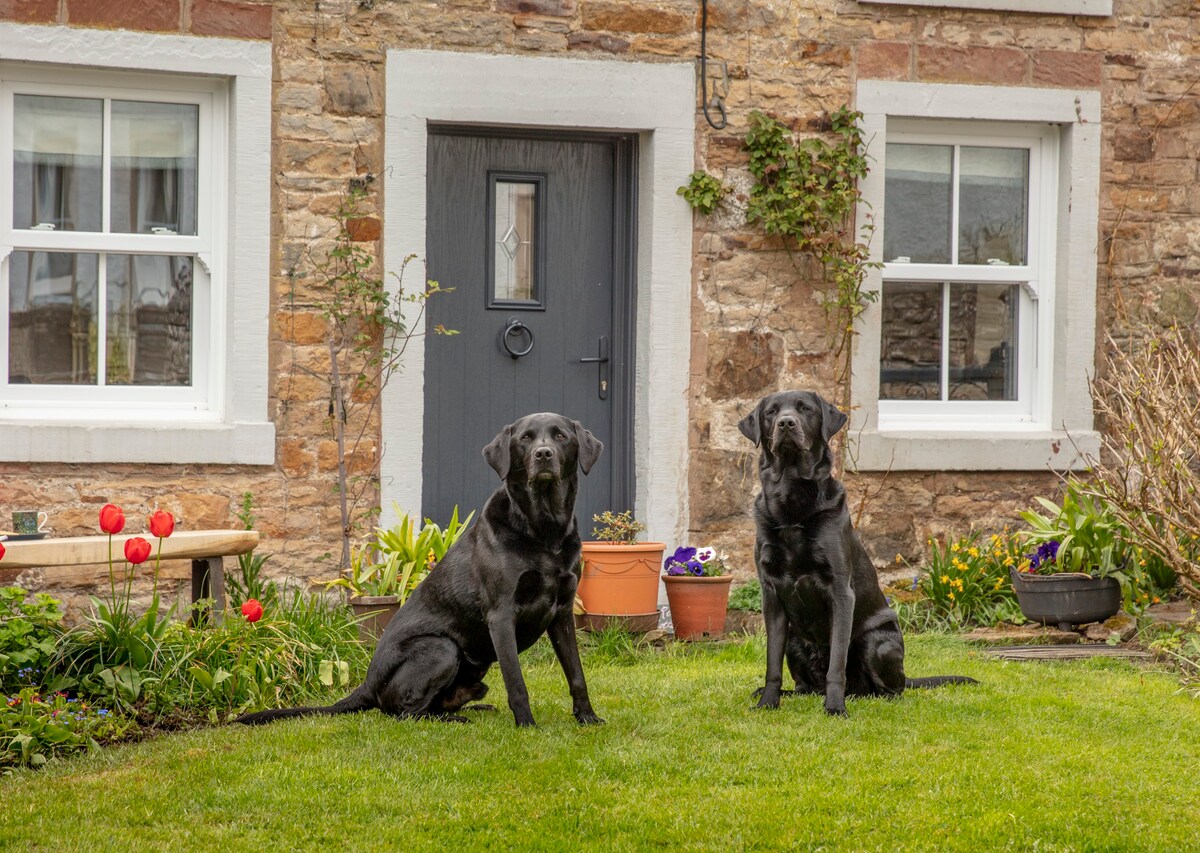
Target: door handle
601, 361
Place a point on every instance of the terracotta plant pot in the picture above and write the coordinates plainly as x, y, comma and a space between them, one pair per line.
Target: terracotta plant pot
619, 583
1066, 599
698, 605
374, 612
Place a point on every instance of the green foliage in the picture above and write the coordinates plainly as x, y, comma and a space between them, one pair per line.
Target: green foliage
30, 624
967, 579
1070, 756
292, 656
249, 581
807, 192
404, 556
617, 528
367, 333
748, 596
703, 192
35, 728
1093, 539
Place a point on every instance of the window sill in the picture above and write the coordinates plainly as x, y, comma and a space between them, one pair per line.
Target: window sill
1099, 8
975, 450
243, 443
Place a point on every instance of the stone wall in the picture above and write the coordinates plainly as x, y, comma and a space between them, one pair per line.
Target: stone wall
757, 322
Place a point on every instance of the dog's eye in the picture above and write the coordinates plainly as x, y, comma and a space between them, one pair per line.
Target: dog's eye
558, 436
771, 412
527, 437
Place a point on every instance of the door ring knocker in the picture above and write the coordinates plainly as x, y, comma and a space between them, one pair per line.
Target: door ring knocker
515, 328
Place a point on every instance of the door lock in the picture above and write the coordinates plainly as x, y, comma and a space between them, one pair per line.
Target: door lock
601, 362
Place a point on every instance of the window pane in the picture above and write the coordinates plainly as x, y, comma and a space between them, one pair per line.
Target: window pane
56, 163
992, 205
52, 318
514, 240
149, 320
910, 355
983, 341
916, 207
154, 153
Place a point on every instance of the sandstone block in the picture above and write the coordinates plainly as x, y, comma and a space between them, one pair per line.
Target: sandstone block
991, 65
124, 14
231, 19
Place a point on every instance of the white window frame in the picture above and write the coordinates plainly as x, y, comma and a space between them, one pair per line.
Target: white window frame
1059, 424
200, 401
1034, 330
223, 418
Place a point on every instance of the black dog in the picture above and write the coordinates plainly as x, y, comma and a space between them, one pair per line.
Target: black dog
822, 603
510, 579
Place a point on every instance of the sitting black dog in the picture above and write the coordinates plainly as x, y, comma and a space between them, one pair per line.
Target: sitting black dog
510, 579
822, 603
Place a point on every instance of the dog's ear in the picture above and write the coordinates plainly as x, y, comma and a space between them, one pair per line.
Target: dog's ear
589, 447
832, 419
497, 452
751, 425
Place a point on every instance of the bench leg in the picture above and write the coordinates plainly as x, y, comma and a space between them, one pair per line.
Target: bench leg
208, 581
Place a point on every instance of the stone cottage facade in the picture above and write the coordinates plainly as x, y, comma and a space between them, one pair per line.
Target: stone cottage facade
1036, 160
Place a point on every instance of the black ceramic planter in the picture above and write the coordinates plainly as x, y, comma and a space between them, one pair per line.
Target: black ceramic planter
1066, 599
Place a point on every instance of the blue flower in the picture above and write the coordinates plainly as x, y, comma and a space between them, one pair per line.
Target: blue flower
1047, 552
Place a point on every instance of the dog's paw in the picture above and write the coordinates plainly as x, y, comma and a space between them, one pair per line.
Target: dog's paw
589, 719
480, 708
453, 718
526, 723
836, 710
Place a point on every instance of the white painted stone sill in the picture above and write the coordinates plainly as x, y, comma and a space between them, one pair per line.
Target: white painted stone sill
942, 450
1099, 8
242, 443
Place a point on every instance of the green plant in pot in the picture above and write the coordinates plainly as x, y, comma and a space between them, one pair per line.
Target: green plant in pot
619, 579
697, 582
382, 575
1079, 570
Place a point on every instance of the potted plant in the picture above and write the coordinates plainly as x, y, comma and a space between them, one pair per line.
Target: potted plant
619, 578
1077, 570
697, 582
744, 609
382, 575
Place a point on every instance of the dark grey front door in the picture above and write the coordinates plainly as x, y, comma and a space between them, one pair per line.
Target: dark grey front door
534, 233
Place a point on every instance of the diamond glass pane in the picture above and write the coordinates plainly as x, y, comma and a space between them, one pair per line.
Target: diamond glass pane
514, 235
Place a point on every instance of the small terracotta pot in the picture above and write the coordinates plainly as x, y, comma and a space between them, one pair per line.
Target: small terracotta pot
698, 605
621, 581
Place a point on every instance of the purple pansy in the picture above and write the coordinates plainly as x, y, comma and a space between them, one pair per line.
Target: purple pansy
1047, 552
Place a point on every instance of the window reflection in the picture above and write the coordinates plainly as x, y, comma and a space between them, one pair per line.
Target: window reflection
52, 318
57, 148
149, 320
154, 158
515, 206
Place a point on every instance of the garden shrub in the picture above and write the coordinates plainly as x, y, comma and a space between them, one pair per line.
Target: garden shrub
967, 579
35, 728
748, 596
30, 624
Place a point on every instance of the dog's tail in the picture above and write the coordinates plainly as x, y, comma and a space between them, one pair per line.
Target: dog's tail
937, 681
356, 701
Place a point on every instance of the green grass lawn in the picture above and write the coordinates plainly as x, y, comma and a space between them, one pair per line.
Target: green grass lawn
1094, 755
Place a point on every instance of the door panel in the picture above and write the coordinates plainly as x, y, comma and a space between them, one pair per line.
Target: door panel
560, 283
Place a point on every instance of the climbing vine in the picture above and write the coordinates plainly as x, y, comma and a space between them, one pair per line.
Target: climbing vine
806, 191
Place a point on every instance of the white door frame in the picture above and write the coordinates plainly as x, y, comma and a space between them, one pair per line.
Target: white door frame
654, 100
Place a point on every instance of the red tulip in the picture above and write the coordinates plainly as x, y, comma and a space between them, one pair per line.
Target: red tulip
1, 550
137, 550
252, 609
162, 523
112, 519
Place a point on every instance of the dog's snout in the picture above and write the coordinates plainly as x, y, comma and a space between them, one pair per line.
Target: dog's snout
786, 422
543, 454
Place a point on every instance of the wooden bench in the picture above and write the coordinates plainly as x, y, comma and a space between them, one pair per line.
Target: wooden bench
205, 548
